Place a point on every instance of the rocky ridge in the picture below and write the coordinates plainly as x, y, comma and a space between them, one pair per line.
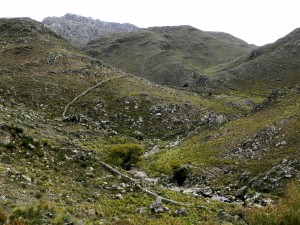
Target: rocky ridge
80, 30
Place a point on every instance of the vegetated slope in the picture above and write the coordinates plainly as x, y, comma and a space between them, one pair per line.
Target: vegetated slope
174, 56
252, 157
80, 30
54, 160
194, 146
270, 66
44, 72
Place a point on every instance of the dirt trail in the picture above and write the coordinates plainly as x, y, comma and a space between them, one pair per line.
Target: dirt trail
89, 90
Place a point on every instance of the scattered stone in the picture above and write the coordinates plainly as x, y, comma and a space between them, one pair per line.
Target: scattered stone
5, 138
112, 133
220, 198
220, 119
262, 142
140, 210
267, 201
288, 175
181, 212
139, 135
206, 192
28, 179
31, 146
223, 215
118, 196
280, 144
213, 120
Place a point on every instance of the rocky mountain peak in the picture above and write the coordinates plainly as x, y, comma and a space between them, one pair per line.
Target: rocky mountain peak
80, 30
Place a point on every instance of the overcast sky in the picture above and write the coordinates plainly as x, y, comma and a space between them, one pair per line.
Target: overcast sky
255, 21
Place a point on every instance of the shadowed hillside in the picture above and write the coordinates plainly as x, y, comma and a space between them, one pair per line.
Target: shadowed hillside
174, 56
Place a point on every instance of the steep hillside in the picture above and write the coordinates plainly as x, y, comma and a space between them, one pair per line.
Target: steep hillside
80, 30
84, 143
64, 113
174, 56
271, 66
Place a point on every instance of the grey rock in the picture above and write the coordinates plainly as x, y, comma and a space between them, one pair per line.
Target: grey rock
214, 120
31, 146
140, 210
80, 30
139, 135
223, 215
181, 212
5, 138
157, 206
288, 175
240, 193
112, 132
206, 192
220, 119
118, 196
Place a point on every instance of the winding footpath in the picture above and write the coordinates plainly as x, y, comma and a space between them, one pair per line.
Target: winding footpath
88, 91
110, 168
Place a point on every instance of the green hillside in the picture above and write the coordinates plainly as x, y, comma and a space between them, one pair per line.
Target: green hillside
174, 56
82, 142
271, 66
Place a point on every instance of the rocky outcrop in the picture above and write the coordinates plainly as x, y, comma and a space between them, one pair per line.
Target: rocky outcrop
213, 120
265, 140
277, 176
80, 30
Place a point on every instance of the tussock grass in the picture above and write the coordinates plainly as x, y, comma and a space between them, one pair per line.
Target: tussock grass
285, 212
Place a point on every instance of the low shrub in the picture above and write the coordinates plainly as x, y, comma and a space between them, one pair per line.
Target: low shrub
126, 155
180, 175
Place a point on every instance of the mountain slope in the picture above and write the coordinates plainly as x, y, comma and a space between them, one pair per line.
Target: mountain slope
174, 56
271, 66
64, 115
50, 168
80, 30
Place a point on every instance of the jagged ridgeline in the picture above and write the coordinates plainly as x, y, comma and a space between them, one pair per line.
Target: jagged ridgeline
80, 30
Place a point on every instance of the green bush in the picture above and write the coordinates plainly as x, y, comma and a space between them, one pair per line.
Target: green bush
33, 215
3, 217
126, 155
180, 175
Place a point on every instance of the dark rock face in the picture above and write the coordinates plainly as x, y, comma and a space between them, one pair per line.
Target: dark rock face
80, 30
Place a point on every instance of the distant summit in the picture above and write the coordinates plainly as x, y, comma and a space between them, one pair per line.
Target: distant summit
80, 30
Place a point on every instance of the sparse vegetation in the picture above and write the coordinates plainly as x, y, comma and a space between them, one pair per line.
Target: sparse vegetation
174, 56
207, 151
285, 212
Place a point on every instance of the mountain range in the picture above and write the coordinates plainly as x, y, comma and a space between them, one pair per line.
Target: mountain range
163, 125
